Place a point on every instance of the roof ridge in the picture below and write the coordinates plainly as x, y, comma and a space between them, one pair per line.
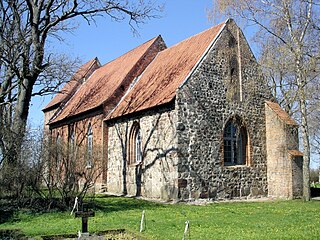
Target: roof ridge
195, 35
136, 79
60, 108
205, 51
131, 50
132, 85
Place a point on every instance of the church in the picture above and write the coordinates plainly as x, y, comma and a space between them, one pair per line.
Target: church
192, 121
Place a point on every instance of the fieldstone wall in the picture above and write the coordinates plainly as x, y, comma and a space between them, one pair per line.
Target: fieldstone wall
227, 83
156, 176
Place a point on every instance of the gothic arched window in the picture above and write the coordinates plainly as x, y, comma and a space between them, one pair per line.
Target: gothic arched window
89, 145
71, 138
135, 145
58, 139
235, 144
58, 152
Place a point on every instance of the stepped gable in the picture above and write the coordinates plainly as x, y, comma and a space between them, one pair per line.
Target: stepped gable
105, 87
158, 84
72, 85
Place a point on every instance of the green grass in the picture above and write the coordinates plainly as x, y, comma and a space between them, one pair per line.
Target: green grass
316, 185
234, 220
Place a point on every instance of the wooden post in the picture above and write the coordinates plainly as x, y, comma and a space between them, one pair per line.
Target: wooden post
84, 214
142, 223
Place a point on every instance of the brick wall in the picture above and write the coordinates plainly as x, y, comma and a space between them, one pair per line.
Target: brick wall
79, 155
284, 169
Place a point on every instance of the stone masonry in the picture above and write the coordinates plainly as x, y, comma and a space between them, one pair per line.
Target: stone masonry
157, 174
205, 103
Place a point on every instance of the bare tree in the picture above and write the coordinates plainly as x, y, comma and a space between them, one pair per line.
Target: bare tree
26, 64
65, 171
51, 173
292, 27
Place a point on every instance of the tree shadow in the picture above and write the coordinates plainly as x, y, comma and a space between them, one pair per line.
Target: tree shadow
6, 215
109, 204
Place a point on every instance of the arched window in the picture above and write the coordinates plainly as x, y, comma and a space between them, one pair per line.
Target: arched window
235, 143
58, 151
135, 145
89, 145
138, 150
71, 138
58, 140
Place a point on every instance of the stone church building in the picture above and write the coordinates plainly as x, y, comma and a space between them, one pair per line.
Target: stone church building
195, 120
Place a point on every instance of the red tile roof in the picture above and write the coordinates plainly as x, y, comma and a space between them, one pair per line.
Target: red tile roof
110, 81
159, 82
283, 115
72, 85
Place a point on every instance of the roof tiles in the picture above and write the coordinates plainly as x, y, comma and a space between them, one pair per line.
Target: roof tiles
71, 86
102, 85
283, 115
158, 83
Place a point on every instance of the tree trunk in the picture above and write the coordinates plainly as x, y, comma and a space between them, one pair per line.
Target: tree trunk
301, 82
306, 149
21, 111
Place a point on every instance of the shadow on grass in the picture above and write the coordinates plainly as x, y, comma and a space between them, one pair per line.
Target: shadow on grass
115, 204
10, 234
6, 215
107, 234
103, 203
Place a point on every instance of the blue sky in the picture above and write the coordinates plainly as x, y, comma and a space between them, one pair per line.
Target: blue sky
109, 39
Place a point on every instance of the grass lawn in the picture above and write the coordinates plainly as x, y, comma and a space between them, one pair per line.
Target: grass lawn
233, 220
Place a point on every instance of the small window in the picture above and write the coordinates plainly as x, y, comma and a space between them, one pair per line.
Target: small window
58, 153
58, 139
89, 146
234, 69
235, 144
232, 42
71, 138
135, 145
138, 147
